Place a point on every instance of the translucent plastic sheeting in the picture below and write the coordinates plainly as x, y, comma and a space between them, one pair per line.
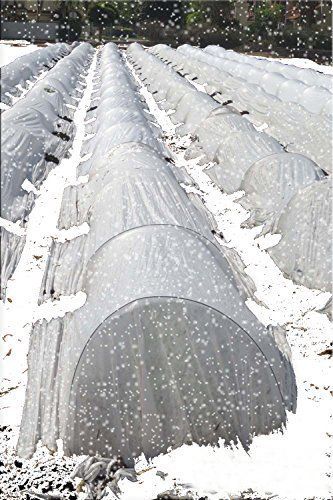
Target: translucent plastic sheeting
237, 153
129, 173
191, 111
190, 106
296, 128
144, 191
233, 145
160, 301
305, 75
123, 117
270, 183
28, 67
36, 133
219, 125
278, 84
220, 134
11, 249
30, 150
247, 160
38, 130
164, 350
314, 99
304, 252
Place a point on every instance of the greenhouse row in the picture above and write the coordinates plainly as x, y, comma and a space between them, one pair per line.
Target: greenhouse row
165, 350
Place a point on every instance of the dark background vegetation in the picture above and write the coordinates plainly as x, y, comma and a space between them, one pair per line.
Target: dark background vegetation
300, 28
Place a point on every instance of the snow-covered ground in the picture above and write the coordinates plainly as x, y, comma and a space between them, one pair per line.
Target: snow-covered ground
8, 53
11, 50
307, 63
295, 465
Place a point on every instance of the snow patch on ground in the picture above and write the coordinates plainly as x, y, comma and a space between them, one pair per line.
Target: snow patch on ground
302, 62
11, 50
307, 64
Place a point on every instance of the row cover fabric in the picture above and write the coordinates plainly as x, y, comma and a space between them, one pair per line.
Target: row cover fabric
307, 76
11, 247
130, 174
221, 134
304, 252
270, 183
253, 162
314, 99
36, 133
293, 126
126, 162
40, 125
164, 350
83, 399
28, 67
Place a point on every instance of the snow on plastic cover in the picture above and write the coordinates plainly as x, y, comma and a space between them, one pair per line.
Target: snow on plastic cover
36, 133
294, 125
161, 353
27, 68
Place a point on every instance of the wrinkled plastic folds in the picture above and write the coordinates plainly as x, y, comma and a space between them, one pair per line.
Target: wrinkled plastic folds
307, 76
36, 133
315, 98
221, 134
246, 159
270, 183
304, 252
164, 350
298, 127
28, 67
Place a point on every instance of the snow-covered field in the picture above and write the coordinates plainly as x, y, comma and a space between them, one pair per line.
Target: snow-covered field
307, 63
294, 465
11, 50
